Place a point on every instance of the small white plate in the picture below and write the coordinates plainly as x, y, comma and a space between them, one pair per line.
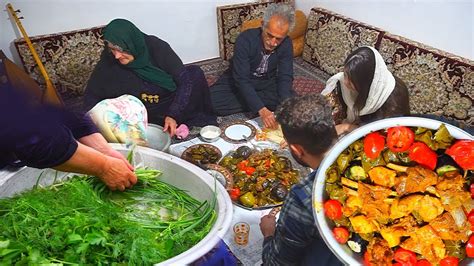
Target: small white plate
238, 132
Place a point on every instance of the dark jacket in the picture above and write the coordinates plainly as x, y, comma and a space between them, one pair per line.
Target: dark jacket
247, 57
110, 79
38, 136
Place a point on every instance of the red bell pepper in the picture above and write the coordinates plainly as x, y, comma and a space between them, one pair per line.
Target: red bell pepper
234, 193
462, 153
249, 170
422, 154
242, 165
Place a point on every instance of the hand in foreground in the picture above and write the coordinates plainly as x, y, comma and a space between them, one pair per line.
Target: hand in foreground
98, 142
117, 175
268, 118
268, 225
170, 126
115, 154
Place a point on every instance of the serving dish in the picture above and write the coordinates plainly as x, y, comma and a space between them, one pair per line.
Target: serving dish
261, 177
320, 196
202, 154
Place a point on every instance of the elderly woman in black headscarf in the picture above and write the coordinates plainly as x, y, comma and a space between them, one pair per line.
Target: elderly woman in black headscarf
146, 67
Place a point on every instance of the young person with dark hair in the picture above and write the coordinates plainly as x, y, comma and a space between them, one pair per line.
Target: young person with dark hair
367, 90
308, 128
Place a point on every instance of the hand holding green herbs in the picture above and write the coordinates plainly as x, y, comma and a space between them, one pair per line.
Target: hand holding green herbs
81, 221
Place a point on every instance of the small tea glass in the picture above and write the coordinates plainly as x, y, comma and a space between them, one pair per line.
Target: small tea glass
241, 233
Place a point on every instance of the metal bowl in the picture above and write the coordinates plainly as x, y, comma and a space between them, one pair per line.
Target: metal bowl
177, 172
157, 138
343, 252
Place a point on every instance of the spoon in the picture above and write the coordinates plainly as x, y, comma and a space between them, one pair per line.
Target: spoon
249, 141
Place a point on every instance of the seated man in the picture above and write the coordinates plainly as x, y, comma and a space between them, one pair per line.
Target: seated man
308, 127
260, 75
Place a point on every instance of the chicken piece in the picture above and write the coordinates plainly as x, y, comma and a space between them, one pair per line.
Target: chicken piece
417, 180
426, 242
374, 202
362, 225
352, 206
446, 228
451, 180
379, 253
383, 176
424, 207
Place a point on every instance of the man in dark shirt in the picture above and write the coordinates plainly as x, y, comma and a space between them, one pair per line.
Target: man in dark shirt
308, 127
260, 74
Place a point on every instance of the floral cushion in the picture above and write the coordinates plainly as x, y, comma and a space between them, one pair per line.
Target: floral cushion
230, 19
69, 59
439, 83
330, 38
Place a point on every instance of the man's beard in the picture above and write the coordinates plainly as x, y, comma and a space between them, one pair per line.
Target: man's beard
297, 159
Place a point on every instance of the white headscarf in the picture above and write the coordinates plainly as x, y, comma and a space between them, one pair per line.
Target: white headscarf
381, 87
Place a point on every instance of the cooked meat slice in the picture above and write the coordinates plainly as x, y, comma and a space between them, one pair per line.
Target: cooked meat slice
417, 180
379, 253
453, 199
383, 176
426, 242
374, 205
451, 180
425, 207
447, 229
403, 207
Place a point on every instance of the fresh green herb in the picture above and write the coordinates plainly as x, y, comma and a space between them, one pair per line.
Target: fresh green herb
80, 221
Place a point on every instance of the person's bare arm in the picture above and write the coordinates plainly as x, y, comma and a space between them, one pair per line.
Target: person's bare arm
115, 173
99, 143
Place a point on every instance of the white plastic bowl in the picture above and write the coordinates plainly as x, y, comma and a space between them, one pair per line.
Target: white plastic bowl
177, 172
210, 133
343, 252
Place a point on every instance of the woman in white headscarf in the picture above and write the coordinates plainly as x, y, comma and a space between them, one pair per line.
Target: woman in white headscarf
367, 90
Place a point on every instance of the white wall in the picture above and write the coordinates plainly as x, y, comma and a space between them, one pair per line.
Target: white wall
443, 24
189, 26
